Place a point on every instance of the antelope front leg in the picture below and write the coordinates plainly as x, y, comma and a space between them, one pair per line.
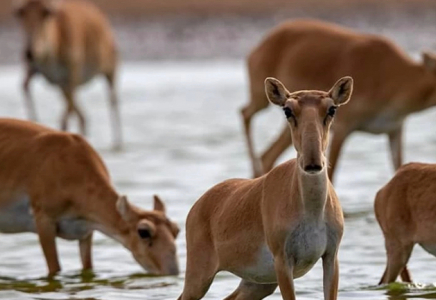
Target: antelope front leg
46, 228
30, 105
85, 246
285, 278
395, 145
330, 266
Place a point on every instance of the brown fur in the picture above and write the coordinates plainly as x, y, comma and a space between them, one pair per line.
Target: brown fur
305, 53
69, 43
406, 211
257, 228
63, 177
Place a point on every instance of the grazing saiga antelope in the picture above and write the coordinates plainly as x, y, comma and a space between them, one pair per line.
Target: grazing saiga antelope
69, 43
273, 229
304, 53
406, 211
54, 184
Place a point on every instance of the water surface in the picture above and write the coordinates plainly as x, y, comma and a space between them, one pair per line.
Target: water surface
183, 134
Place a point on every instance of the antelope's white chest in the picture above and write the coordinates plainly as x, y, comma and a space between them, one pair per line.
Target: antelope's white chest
305, 245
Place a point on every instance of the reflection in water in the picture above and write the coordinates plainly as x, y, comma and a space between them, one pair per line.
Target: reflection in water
183, 134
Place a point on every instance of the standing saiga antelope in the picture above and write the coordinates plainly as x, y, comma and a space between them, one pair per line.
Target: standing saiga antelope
273, 229
304, 53
54, 184
406, 211
69, 43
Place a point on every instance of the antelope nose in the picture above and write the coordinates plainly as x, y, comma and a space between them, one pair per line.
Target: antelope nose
313, 168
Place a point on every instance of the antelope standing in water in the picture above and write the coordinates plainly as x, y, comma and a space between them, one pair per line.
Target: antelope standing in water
304, 53
273, 229
406, 211
69, 43
54, 184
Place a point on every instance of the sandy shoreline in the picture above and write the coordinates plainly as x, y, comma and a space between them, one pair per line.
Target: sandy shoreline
144, 36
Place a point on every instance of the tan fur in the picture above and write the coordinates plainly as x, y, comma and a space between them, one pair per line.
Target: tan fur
273, 229
406, 211
69, 43
305, 53
61, 178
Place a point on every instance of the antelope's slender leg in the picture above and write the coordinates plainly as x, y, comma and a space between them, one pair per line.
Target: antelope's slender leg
270, 156
338, 139
201, 267
395, 145
398, 255
71, 108
46, 229
30, 104
85, 246
331, 276
115, 113
284, 277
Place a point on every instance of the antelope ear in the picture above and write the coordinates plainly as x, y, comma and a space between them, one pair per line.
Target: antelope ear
342, 90
125, 209
429, 61
159, 205
276, 91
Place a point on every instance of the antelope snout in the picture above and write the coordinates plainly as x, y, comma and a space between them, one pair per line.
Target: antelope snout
313, 168
171, 269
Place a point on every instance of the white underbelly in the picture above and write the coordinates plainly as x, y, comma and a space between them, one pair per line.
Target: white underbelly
382, 123
17, 217
429, 247
59, 74
262, 271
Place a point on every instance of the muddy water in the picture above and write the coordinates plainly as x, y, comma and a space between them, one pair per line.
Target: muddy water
183, 134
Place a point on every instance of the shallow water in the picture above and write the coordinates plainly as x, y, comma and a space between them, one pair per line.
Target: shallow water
183, 134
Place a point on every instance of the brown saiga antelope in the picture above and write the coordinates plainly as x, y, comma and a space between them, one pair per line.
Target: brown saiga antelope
273, 229
69, 43
54, 184
305, 53
406, 211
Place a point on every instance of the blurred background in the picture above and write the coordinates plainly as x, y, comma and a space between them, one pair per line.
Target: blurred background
182, 81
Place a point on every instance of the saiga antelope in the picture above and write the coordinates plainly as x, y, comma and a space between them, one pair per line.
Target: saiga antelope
69, 43
305, 53
54, 184
273, 229
406, 211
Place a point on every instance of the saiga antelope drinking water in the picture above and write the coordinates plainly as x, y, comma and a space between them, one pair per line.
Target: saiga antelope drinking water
69, 43
406, 211
273, 229
54, 184
312, 54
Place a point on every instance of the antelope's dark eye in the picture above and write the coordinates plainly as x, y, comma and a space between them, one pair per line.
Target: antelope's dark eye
144, 233
332, 110
288, 112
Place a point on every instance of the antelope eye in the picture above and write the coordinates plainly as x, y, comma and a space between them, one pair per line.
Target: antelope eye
288, 112
144, 233
332, 110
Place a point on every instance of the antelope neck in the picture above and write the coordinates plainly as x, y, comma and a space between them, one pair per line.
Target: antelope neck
312, 192
107, 220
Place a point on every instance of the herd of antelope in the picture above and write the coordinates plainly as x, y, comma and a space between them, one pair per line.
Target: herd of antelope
268, 230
